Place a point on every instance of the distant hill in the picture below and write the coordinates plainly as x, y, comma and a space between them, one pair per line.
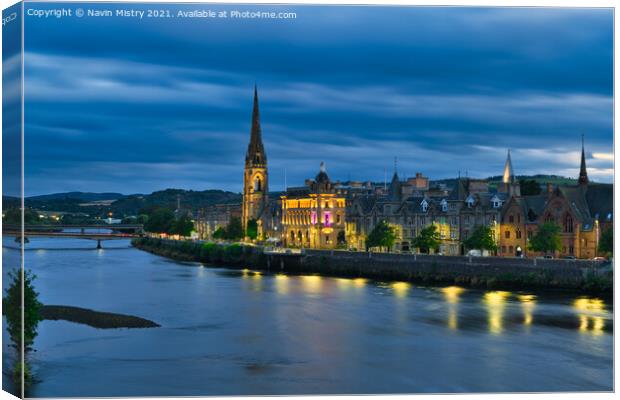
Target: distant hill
189, 199
543, 180
82, 196
101, 204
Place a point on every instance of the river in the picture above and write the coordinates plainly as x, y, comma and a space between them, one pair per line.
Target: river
231, 332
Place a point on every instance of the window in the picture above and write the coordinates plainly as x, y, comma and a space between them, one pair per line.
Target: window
568, 224
507, 234
257, 185
470, 201
511, 218
510, 249
424, 205
444, 205
504, 249
518, 234
496, 202
327, 218
571, 250
337, 218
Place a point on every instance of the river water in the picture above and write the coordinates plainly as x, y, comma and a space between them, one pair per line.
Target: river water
230, 332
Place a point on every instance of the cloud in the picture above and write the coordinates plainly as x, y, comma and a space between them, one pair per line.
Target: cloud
443, 89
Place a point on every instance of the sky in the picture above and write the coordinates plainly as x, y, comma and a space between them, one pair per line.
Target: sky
133, 105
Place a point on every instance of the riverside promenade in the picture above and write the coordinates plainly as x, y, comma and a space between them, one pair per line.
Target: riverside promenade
485, 272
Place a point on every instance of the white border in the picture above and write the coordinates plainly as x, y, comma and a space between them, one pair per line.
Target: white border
487, 3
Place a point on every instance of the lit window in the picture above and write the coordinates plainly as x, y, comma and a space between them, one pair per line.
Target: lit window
327, 217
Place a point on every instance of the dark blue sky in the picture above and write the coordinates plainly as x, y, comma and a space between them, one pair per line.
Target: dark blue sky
129, 105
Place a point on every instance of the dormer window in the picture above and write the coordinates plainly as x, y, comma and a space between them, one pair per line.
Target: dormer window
424, 205
470, 201
496, 202
444, 205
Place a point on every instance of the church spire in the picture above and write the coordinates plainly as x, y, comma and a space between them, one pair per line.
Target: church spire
583, 172
508, 171
256, 152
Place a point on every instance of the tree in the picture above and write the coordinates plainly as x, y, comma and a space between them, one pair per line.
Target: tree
234, 230
529, 187
12, 309
547, 239
160, 220
606, 244
252, 229
220, 233
481, 239
427, 239
182, 226
14, 216
382, 235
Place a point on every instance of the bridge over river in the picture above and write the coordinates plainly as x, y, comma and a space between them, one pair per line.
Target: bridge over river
96, 232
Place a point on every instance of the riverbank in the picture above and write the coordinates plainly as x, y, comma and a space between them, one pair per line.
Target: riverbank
480, 272
96, 319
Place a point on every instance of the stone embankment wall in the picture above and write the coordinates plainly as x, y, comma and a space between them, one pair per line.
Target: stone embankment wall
488, 272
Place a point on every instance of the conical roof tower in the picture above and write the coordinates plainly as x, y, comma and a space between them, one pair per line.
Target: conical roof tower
256, 151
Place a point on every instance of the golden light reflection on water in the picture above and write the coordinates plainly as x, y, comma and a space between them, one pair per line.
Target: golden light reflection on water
359, 282
590, 312
451, 294
528, 302
247, 273
400, 289
282, 284
495, 303
312, 283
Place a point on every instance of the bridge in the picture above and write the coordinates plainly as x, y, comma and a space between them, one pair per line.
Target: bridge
118, 231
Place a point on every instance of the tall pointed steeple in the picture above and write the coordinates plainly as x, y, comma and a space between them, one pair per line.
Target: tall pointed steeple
256, 151
255, 176
583, 172
508, 171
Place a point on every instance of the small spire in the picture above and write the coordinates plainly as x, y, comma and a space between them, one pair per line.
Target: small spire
322, 167
583, 172
508, 171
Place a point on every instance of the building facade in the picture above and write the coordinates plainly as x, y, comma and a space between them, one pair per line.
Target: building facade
313, 216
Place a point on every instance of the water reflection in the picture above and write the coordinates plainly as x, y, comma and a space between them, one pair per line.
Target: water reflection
528, 302
282, 284
312, 283
495, 303
590, 312
400, 289
451, 295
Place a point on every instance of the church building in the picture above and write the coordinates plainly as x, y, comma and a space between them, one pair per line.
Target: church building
255, 177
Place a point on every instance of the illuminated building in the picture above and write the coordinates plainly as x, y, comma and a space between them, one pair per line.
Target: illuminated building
582, 211
313, 216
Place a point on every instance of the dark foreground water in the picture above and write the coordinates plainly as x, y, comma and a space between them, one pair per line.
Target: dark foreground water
227, 332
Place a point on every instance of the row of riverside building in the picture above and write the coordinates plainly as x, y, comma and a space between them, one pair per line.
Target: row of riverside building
327, 215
